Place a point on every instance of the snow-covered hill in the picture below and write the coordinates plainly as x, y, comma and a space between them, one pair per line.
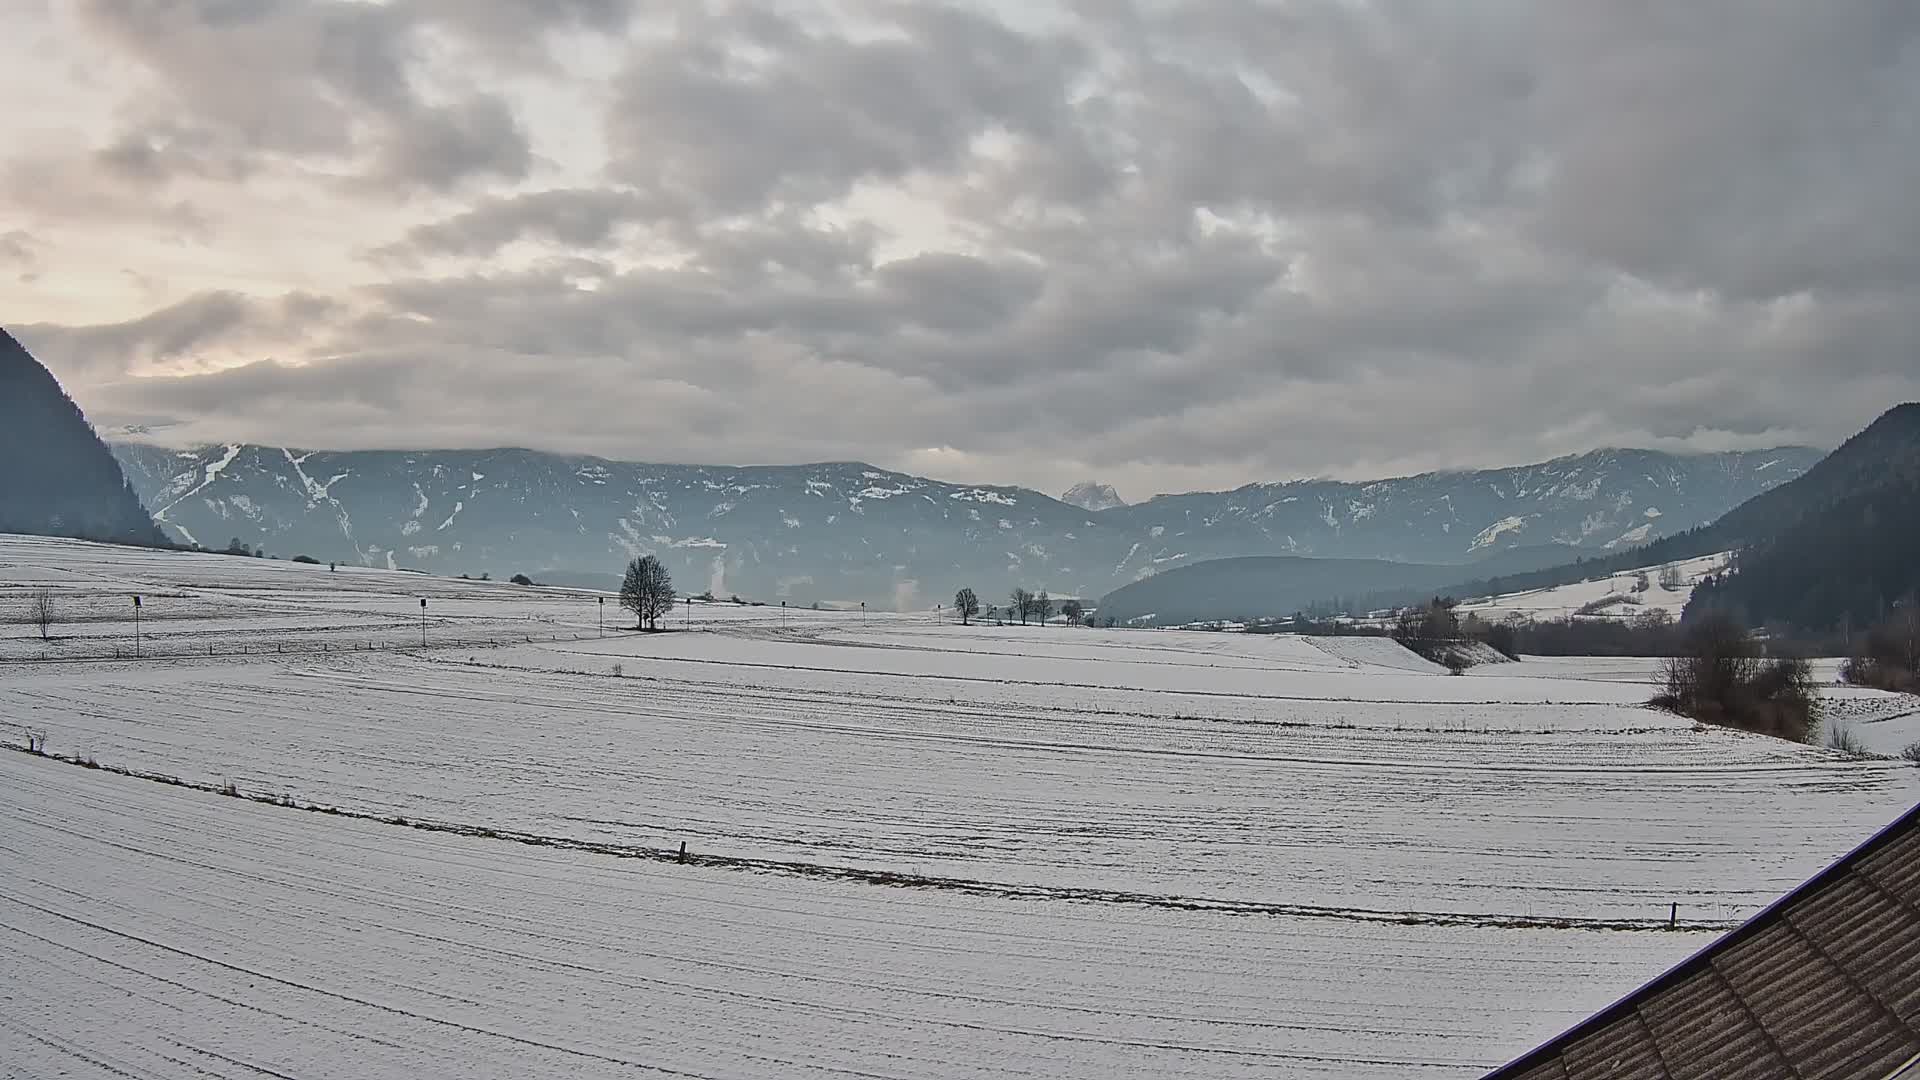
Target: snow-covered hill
1667, 588
848, 531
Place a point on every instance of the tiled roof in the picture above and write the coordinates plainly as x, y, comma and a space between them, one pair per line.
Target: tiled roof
1824, 983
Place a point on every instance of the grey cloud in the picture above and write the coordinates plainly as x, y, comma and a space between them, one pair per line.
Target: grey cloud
1174, 244
153, 156
440, 146
823, 111
244, 80
575, 218
520, 30
179, 331
960, 292
279, 76
18, 246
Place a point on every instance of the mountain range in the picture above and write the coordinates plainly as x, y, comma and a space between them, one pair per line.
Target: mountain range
850, 531
1828, 550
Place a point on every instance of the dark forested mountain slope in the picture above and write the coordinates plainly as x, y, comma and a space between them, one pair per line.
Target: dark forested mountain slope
1838, 546
56, 477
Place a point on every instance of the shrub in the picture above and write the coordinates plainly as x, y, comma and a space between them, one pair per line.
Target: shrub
1912, 753
1841, 737
1596, 607
306, 559
1720, 678
1888, 656
1503, 638
521, 579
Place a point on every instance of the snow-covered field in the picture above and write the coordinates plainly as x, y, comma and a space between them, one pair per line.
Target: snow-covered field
916, 849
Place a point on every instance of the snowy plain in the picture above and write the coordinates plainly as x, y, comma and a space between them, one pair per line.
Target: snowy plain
917, 849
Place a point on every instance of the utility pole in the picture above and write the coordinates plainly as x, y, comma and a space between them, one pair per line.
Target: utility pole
783, 613
689, 612
603, 616
863, 611
423, 622
136, 626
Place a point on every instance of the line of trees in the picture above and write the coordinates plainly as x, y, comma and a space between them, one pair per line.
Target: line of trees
1022, 604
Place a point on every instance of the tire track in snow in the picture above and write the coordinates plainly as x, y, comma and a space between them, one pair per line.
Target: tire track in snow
900, 879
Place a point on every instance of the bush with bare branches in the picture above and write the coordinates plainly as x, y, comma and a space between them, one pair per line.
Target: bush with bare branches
1720, 677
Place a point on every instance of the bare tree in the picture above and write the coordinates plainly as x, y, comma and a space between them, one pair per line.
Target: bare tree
1043, 607
1074, 612
40, 612
1021, 604
1670, 578
647, 591
967, 604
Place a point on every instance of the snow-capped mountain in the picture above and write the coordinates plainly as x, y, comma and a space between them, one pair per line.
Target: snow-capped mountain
847, 531
1088, 495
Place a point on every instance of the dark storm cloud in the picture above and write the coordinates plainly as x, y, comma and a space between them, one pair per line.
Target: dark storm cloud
1173, 243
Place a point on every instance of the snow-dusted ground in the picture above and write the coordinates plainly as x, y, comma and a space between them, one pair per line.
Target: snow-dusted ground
1124, 852
154, 932
1563, 601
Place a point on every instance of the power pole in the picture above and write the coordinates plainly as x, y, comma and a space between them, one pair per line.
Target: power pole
423, 622
689, 612
603, 616
136, 626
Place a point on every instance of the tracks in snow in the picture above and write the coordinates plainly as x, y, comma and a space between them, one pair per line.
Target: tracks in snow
898, 879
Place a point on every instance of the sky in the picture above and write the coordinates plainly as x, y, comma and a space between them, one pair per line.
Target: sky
1165, 244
